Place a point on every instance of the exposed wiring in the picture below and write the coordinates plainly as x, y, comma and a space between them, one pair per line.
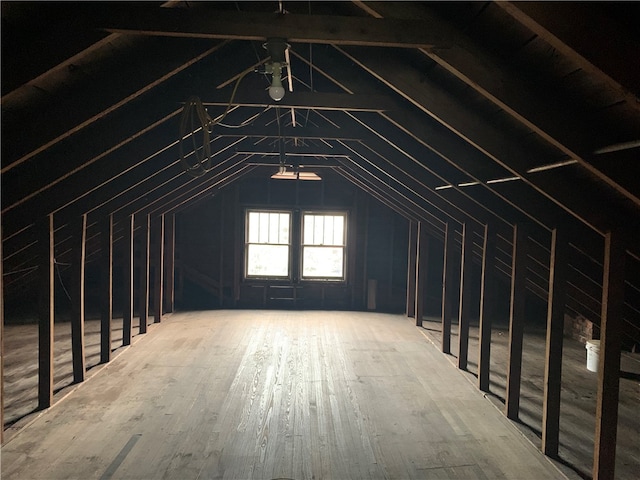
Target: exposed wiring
22, 270
60, 278
195, 119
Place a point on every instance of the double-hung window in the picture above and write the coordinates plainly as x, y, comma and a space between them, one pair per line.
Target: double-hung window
268, 244
323, 246
318, 245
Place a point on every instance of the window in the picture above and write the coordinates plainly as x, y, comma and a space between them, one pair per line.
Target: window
323, 243
268, 242
318, 251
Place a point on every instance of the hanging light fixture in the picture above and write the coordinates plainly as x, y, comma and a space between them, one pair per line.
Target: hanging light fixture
276, 48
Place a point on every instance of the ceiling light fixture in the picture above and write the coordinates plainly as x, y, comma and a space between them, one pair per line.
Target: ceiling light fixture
443, 187
276, 48
468, 184
284, 174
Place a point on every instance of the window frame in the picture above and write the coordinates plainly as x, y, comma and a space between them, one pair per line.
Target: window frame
247, 243
345, 235
296, 245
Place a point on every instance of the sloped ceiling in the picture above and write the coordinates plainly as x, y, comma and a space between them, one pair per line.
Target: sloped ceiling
401, 98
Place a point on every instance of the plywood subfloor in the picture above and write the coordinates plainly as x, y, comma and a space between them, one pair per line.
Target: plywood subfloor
272, 394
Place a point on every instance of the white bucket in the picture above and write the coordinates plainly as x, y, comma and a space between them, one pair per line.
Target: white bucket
593, 355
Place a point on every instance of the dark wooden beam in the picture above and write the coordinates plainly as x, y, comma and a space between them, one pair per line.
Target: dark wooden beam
367, 187
127, 280
613, 287
407, 202
516, 320
465, 306
46, 315
447, 148
296, 28
77, 297
313, 100
558, 270
422, 260
520, 97
158, 231
411, 269
42, 127
205, 188
169, 262
584, 45
487, 307
448, 282
597, 210
143, 290
106, 287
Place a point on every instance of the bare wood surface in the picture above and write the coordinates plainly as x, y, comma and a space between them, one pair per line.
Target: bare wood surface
46, 295
613, 289
255, 394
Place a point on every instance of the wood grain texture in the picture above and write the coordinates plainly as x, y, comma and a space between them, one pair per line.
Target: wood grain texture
276, 394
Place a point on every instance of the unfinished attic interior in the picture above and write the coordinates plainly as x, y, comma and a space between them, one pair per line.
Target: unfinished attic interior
320, 240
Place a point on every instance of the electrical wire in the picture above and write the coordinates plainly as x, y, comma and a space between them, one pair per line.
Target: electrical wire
60, 278
195, 119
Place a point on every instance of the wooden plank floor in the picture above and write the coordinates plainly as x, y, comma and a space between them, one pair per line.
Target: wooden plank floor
275, 395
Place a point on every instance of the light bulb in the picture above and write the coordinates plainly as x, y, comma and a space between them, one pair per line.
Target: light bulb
277, 93
276, 90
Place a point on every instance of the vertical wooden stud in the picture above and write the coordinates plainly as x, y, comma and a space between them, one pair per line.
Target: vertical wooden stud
604, 455
46, 265
221, 252
106, 287
169, 263
77, 298
448, 279
558, 266
411, 269
127, 281
464, 309
516, 320
1, 341
159, 234
487, 299
145, 232
422, 259
238, 250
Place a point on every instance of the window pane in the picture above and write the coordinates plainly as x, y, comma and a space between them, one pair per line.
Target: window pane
263, 236
318, 230
268, 260
322, 262
328, 230
274, 228
284, 228
308, 229
338, 230
254, 227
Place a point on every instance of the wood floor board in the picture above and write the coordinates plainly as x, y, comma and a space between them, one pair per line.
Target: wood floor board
275, 394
